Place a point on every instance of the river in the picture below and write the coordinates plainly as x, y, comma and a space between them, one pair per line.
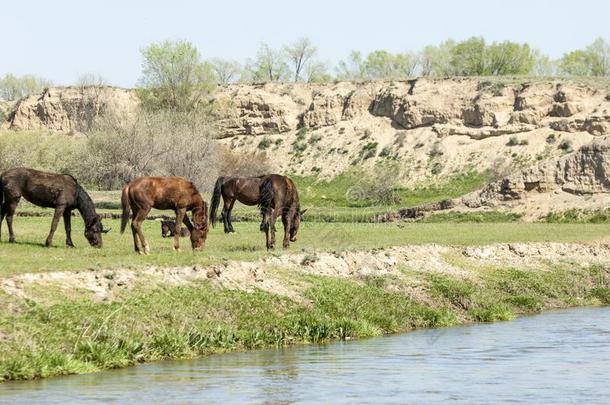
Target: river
561, 356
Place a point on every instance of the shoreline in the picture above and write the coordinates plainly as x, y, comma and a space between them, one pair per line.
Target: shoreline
72, 322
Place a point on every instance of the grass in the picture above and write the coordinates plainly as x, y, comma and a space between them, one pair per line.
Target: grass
64, 335
28, 254
579, 216
335, 193
472, 217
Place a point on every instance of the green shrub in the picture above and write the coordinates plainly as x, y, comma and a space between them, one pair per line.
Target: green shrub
264, 143
566, 146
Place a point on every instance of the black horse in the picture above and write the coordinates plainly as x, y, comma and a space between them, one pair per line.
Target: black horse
246, 190
279, 196
49, 190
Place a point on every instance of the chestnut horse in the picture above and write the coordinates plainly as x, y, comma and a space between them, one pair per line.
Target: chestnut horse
246, 190
164, 193
279, 196
49, 190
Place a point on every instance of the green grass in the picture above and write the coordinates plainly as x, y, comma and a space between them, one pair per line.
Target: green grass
579, 216
52, 334
473, 217
335, 193
28, 254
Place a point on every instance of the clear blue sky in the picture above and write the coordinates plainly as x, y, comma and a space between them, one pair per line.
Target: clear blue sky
62, 39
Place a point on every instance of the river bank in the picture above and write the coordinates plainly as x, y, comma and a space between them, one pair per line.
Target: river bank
57, 323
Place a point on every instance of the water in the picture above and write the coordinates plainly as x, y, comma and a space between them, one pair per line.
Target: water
555, 357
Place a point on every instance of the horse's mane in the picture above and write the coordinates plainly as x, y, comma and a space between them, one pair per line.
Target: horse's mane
84, 204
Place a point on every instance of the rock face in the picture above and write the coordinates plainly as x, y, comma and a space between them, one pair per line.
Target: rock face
69, 109
586, 171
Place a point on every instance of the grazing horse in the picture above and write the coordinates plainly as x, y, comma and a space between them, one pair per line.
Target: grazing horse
168, 228
246, 190
279, 196
164, 193
49, 190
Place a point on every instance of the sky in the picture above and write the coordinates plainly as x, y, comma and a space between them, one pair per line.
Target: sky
64, 39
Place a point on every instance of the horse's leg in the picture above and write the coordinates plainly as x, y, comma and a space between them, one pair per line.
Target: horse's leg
3, 209
229, 220
10, 212
137, 223
186, 221
225, 214
274, 214
68, 226
287, 221
180, 214
59, 212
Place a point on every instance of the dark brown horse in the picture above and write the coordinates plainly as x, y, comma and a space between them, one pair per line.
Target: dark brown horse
279, 196
246, 190
168, 228
164, 193
49, 190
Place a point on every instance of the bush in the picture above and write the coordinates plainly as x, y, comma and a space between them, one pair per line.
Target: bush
369, 150
151, 143
264, 143
375, 188
514, 141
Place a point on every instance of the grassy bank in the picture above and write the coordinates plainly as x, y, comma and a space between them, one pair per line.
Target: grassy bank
28, 255
50, 334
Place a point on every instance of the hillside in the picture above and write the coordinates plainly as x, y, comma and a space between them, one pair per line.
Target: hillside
433, 129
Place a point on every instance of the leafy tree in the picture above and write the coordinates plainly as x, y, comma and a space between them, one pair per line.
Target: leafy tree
543, 66
14, 88
174, 77
317, 72
351, 69
300, 54
508, 58
576, 63
599, 52
436, 60
225, 71
382, 65
269, 66
468, 57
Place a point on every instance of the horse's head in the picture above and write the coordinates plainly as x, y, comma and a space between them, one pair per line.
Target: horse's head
296, 223
166, 228
94, 230
199, 233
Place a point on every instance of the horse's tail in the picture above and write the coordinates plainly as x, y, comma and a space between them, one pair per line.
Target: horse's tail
1, 200
125, 207
216, 199
267, 193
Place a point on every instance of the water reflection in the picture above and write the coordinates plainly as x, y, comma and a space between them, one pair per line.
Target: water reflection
555, 357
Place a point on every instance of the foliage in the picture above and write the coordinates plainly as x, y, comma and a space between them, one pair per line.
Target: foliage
592, 61
14, 88
174, 77
269, 66
225, 71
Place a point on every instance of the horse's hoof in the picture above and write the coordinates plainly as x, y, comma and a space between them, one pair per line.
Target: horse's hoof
177, 250
70, 245
11, 241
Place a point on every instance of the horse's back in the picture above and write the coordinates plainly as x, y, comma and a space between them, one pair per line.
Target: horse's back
40, 188
169, 192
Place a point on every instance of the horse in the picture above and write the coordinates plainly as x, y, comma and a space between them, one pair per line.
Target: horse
246, 190
279, 196
49, 190
164, 193
168, 228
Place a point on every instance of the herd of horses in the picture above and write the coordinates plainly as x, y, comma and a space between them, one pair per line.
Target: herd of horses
276, 195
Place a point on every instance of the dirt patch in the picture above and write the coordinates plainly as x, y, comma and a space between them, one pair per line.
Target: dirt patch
272, 274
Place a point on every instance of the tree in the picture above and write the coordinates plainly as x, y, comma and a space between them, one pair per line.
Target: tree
300, 53
543, 66
317, 72
599, 52
351, 69
576, 63
468, 57
508, 58
174, 77
226, 71
436, 60
269, 66
14, 88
